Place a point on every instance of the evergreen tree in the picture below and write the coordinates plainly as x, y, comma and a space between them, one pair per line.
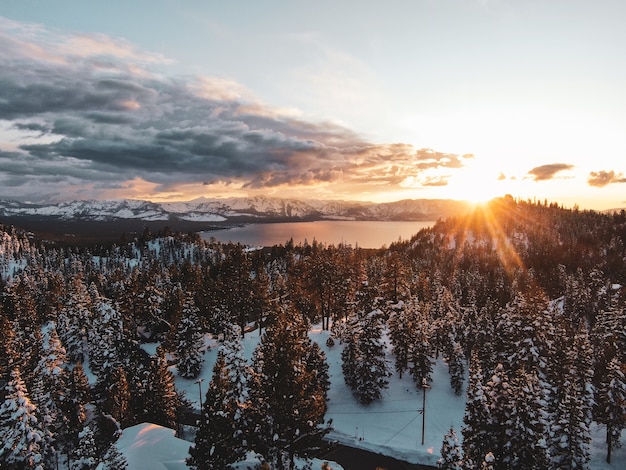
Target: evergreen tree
79, 394
113, 460
105, 340
476, 418
456, 368
286, 416
8, 354
190, 341
84, 456
421, 366
161, 399
372, 370
569, 435
526, 428
49, 393
74, 320
117, 396
610, 403
220, 438
400, 326
451, 456
364, 365
20, 432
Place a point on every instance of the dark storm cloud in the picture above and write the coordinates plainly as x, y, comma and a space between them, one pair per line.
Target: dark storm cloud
599, 179
548, 172
100, 121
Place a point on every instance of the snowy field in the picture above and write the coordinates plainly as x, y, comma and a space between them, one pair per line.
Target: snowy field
391, 426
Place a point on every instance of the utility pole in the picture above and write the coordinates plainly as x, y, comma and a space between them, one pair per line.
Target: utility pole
425, 386
199, 382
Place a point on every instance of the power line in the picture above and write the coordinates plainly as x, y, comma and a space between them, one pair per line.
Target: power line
403, 428
368, 412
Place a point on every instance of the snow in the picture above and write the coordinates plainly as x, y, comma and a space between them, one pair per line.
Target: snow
152, 447
390, 426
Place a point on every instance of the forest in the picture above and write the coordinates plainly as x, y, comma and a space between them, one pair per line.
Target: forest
524, 300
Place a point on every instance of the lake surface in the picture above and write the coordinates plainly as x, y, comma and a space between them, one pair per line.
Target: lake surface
364, 234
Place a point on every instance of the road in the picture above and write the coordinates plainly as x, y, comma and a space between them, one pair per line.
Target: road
351, 458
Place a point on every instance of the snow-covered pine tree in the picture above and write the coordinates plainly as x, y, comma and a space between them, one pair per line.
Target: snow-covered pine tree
456, 368
610, 405
372, 370
20, 432
569, 435
161, 400
8, 354
84, 456
499, 403
106, 339
220, 438
526, 428
49, 393
421, 365
79, 394
286, 416
113, 459
117, 396
476, 418
74, 319
451, 455
350, 355
400, 325
189, 340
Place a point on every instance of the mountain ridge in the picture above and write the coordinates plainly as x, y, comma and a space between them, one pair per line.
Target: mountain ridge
236, 209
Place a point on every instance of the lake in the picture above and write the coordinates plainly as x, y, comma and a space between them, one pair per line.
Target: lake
365, 234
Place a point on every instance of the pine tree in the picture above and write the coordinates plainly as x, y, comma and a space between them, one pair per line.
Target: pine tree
220, 438
79, 394
113, 460
372, 370
8, 354
286, 416
117, 396
421, 366
161, 399
456, 368
400, 335
105, 340
74, 320
526, 429
451, 456
49, 392
364, 365
20, 432
476, 418
610, 403
190, 341
84, 456
569, 435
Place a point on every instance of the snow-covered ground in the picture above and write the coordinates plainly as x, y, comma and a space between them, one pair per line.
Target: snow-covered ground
391, 426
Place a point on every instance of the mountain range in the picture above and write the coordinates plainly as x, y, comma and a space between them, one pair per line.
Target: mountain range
238, 210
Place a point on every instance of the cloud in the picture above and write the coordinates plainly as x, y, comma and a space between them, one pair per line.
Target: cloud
548, 172
94, 119
599, 179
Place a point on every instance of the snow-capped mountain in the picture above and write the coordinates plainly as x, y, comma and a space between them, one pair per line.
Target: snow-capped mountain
258, 208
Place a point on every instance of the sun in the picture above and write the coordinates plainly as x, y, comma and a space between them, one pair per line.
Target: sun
476, 186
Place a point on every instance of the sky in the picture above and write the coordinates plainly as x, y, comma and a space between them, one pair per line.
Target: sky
369, 100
